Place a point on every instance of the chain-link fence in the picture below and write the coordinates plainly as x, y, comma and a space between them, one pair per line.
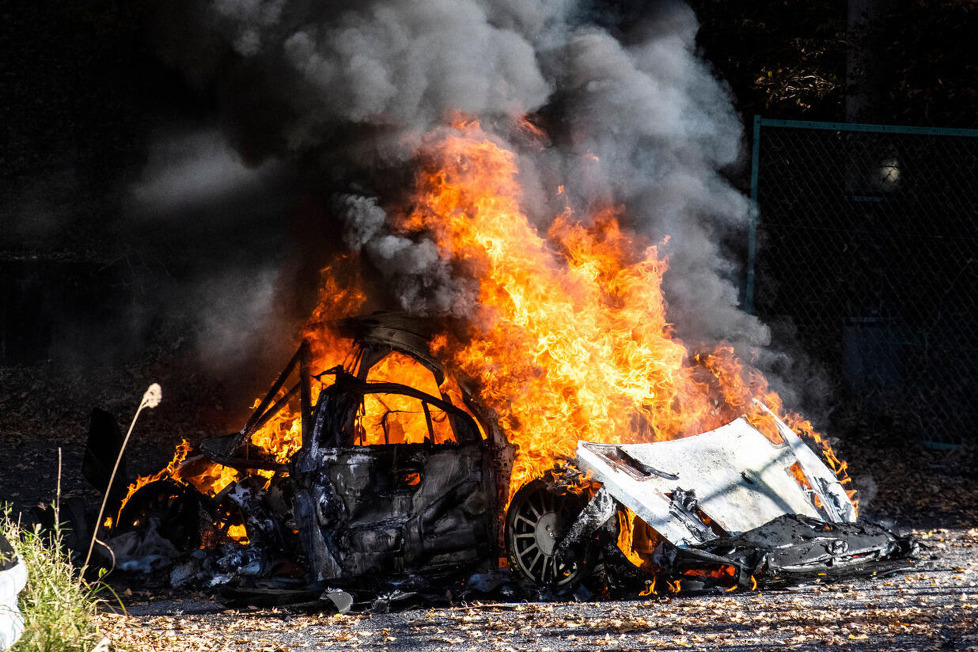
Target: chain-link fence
867, 239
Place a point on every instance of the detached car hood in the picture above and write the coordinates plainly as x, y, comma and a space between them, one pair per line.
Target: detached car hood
734, 475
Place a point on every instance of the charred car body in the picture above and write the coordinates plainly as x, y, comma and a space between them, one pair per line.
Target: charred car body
417, 494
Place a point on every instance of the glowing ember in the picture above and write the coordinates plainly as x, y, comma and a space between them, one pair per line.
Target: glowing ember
238, 533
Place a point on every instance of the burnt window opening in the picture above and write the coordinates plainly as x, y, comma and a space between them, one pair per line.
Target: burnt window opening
400, 419
403, 369
383, 365
356, 413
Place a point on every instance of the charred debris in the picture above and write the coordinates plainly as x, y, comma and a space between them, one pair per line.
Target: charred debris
398, 522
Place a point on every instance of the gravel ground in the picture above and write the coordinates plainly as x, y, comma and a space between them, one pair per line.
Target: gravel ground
933, 606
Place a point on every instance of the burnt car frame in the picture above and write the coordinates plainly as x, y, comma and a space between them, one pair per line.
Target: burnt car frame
353, 515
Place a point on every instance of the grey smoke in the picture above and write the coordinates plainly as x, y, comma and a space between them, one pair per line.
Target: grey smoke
250, 17
868, 489
662, 127
189, 169
236, 314
297, 71
194, 197
638, 120
393, 64
420, 278
363, 218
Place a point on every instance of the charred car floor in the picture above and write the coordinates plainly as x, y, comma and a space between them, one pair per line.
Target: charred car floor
380, 491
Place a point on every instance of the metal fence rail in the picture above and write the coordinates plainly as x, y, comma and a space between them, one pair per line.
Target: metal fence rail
866, 236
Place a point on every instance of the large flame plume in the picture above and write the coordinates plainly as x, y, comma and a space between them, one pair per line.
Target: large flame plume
569, 339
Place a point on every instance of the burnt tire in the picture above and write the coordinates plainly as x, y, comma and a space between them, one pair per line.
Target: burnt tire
538, 518
175, 506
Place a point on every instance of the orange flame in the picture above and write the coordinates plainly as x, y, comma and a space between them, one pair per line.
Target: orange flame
183, 448
281, 436
569, 342
626, 537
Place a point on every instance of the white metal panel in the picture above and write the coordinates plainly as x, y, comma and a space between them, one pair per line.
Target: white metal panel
741, 480
824, 482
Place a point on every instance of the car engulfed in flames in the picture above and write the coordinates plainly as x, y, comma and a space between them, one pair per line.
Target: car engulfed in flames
549, 426
385, 472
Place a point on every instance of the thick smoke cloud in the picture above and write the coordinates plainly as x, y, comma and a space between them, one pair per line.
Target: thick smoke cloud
635, 119
187, 170
417, 273
389, 64
661, 127
294, 73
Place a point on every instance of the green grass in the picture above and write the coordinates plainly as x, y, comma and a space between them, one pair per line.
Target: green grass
58, 607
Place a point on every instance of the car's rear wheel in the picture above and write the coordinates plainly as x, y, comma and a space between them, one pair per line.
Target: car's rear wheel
538, 518
175, 507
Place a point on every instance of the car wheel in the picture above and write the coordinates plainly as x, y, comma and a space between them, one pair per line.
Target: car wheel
538, 518
175, 506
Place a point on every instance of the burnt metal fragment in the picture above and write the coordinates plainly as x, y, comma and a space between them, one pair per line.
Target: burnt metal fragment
794, 548
173, 509
600, 510
101, 449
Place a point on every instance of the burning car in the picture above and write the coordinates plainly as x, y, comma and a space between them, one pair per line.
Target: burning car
549, 425
386, 471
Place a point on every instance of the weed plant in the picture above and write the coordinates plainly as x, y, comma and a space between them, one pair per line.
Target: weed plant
57, 605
